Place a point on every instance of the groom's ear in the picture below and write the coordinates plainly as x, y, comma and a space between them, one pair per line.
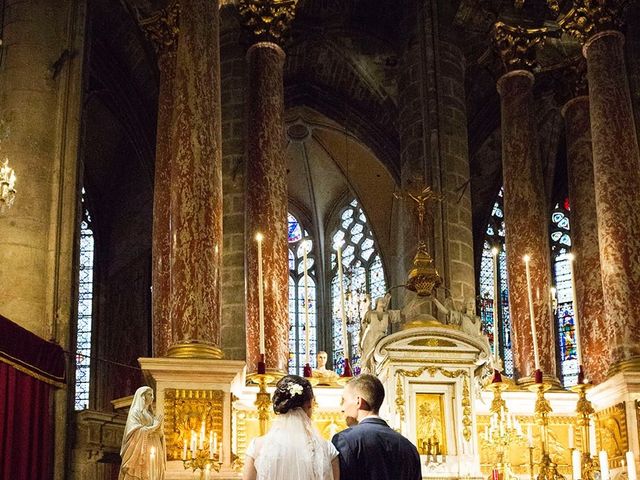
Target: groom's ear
363, 404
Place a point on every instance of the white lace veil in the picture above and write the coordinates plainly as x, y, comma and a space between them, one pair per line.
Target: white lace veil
293, 450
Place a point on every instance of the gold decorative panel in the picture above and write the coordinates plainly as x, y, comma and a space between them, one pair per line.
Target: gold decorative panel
430, 421
611, 425
185, 411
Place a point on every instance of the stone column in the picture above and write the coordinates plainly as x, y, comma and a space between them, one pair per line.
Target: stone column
196, 185
266, 200
584, 238
525, 207
616, 164
162, 29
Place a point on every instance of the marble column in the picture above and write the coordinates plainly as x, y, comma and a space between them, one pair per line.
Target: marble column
162, 29
525, 210
196, 185
267, 200
584, 238
616, 162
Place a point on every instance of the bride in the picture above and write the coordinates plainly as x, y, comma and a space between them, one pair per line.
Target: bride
292, 449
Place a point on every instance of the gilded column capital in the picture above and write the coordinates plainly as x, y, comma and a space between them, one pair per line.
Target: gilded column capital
267, 20
162, 27
517, 45
588, 17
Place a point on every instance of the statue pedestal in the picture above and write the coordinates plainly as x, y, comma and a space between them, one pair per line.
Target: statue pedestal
429, 373
185, 390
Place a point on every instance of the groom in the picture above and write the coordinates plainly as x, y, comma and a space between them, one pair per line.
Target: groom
370, 449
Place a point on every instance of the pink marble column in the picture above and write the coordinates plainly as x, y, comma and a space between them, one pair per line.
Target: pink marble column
162, 29
595, 342
267, 204
616, 163
526, 223
196, 184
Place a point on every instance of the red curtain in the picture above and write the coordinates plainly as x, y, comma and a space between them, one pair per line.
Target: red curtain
25, 426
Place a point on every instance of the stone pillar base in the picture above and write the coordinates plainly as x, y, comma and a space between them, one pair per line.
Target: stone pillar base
189, 377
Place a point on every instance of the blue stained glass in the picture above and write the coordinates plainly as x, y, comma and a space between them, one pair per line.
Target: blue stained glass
295, 231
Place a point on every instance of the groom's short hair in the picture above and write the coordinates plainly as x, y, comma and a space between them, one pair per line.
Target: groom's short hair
370, 389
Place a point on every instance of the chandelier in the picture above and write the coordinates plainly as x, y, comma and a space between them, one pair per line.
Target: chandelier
7, 185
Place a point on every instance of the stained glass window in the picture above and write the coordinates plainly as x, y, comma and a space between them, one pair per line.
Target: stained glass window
298, 239
495, 238
563, 302
85, 311
363, 280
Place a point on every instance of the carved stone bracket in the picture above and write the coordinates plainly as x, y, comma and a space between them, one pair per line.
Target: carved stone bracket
162, 27
432, 370
517, 46
611, 425
267, 20
588, 17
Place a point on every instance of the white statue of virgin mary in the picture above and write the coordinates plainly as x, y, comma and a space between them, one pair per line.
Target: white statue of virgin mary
143, 447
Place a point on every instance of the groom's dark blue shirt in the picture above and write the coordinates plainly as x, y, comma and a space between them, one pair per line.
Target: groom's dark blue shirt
371, 450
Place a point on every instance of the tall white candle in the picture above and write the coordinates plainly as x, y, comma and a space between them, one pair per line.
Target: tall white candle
207, 472
152, 464
536, 356
576, 462
631, 466
604, 465
211, 448
201, 438
220, 454
574, 299
496, 308
307, 325
259, 238
529, 436
343, 313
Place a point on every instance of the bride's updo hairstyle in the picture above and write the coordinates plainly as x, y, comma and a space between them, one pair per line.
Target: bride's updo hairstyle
291, 392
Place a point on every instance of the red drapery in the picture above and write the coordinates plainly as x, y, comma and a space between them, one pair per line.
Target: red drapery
29, 370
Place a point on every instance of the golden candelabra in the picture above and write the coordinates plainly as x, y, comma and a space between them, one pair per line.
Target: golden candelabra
584, 411
548, 470
203, 460
263, 398
502, 431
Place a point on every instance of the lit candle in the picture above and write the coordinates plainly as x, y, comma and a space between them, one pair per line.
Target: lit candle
343, 313
220, 454
536, 357
576, 462
604, 465
193, 444
307, 325
571, 436
259, 238
529, 436
211, 448
152, 463
201, 443
592, 437
574, 299
215, 441
631, 466
184, 450
496, 303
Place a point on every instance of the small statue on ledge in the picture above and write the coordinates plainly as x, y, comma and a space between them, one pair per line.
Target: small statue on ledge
324, 376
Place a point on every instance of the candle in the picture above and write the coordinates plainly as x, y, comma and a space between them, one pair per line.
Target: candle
592, 437
184, 450
574, 299
307, 325
211, 449
571, 436
576, 462
604, 465
207, 472
343, 314
536, 357
152, 463
215, 441
220, 456
201, 442
259, 238
529, 436
496, 303
631, 466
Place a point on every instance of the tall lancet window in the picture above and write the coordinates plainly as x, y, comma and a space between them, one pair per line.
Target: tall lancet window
363, 279
85, 310
563, 301
298, 311
489, 308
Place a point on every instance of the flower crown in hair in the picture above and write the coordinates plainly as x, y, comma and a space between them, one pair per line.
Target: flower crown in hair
294, 389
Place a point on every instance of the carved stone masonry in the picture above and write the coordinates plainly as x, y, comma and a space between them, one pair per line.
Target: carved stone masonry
517, 45
267, 20
588, 17
162, 27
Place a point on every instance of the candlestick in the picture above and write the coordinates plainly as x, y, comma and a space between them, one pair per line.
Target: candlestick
343, 314
631, 466
604, 465
307, 325
259, 238
574, 300
496, 303
576, 461
536, 357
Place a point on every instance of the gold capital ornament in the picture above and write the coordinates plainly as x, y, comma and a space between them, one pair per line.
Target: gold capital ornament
588, 17
517, 45
267, 20
162, 27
